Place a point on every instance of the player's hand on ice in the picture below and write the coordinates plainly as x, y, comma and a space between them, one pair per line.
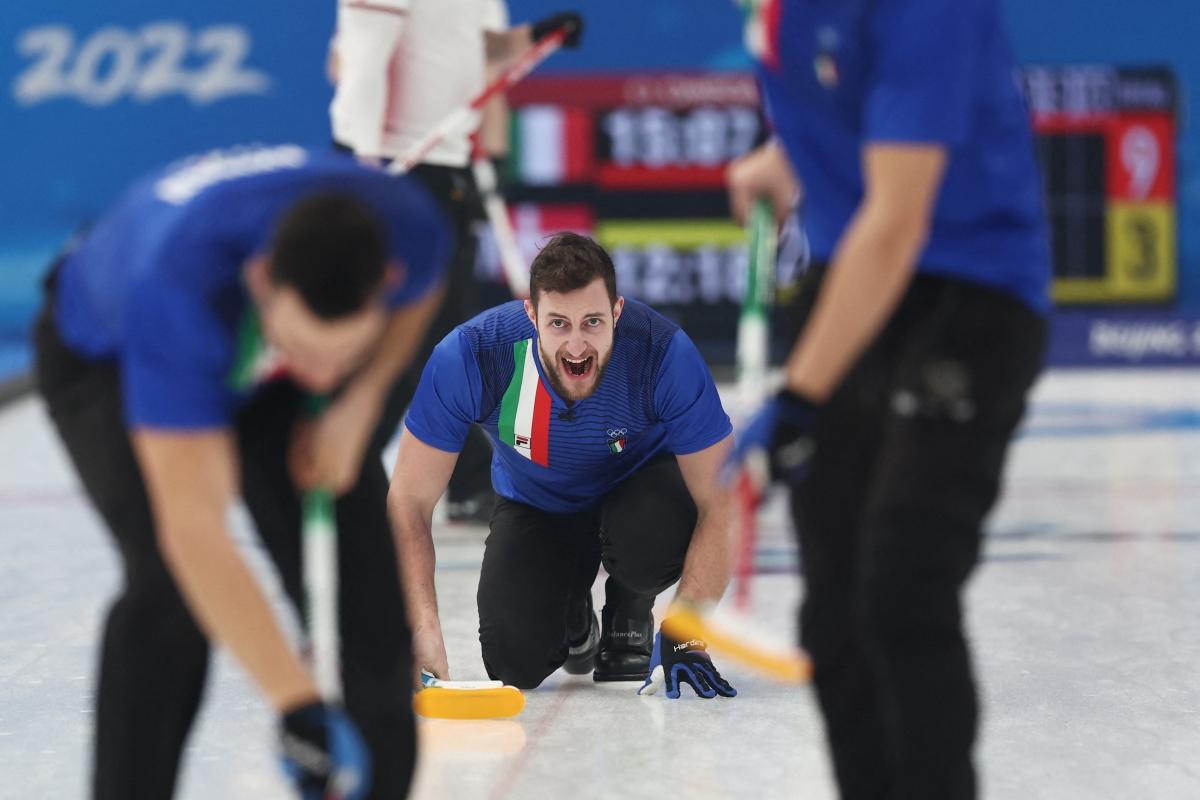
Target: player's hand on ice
762, 172
674, 663
776, 444
324, 754
429, 652
328, 452
570, 20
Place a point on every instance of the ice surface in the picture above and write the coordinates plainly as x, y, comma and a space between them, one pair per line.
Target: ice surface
1085, 616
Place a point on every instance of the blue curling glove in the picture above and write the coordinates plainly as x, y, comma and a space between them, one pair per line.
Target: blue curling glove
324, 754
777, 442
674, 663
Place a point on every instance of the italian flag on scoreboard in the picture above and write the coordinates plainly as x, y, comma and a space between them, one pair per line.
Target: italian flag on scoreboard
533, 222
551, 145
525, 407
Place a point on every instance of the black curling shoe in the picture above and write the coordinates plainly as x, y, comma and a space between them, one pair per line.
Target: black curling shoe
625, 645
583, 637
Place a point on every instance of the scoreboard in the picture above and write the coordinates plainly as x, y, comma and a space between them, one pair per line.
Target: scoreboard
1106, 142
637, 160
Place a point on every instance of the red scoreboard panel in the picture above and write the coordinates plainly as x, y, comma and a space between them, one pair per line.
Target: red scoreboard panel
637, 160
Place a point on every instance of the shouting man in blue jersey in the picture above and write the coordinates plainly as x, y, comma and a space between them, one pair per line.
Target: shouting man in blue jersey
924, 328
609, 437
175, 350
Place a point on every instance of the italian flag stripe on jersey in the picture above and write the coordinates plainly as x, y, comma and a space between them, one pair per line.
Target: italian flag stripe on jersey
525, 407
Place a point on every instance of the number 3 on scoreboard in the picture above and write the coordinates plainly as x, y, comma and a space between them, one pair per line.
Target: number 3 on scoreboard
1145, 238
1141, 250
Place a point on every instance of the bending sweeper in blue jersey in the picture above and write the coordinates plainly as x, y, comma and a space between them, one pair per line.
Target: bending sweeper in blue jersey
924, 329
609, 437
175, 350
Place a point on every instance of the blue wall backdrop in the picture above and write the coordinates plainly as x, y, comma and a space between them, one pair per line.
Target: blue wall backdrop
92, 94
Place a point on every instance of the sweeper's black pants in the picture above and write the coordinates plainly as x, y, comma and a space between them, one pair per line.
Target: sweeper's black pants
908, 461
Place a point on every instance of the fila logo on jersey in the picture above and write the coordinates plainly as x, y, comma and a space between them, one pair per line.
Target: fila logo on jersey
616, 440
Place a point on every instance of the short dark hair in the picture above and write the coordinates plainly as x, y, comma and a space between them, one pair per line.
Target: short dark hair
569, 262
332, 249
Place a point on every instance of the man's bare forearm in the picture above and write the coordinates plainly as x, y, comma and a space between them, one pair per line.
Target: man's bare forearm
226, 599
872, 266
870, 273
709, 562
190, 478
414, 548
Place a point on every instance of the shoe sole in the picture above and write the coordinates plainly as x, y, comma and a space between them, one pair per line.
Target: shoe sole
580, 669
614, 677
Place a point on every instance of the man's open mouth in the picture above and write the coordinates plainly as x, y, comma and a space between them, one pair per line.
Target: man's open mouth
577, 368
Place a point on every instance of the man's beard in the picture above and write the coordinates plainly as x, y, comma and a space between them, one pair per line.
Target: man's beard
552, 367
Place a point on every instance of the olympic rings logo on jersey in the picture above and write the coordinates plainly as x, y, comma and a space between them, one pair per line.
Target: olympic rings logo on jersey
616, 440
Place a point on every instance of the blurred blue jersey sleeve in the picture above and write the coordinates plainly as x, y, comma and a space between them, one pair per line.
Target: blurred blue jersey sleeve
920, 89
447, 399
420, 239
175, 362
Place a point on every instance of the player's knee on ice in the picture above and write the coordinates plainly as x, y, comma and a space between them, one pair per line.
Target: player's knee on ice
526, 655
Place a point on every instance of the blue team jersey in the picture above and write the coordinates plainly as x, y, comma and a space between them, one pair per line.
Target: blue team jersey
838, 74
157, 283
656, 395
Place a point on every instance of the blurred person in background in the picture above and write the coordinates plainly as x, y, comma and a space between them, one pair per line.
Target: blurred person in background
400, 67
925, 326
176, 350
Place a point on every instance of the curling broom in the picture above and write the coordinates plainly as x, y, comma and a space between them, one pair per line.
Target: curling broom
466, 699
685, 621
753, 364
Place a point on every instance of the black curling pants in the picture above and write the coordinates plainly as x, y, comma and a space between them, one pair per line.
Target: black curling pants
535, 564
908, 461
